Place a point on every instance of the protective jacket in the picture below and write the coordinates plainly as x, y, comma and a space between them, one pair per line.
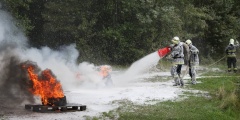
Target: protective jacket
193, 55
177, 54
231, 50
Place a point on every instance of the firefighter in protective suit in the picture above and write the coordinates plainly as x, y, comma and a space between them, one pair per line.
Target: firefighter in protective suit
177, 55
231, 56
105, 73
193, 60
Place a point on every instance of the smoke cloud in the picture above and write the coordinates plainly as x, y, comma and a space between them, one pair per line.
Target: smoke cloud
13, 85
15, 50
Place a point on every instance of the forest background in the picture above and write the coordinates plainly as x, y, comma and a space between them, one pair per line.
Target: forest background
120, 32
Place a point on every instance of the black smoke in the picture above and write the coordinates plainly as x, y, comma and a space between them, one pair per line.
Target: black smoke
14, 81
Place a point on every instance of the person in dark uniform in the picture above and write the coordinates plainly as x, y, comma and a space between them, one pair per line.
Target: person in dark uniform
231, 55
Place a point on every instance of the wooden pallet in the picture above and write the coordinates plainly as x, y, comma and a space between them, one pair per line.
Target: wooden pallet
67, 108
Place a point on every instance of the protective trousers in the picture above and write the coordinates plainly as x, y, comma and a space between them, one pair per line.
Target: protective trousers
176, 73
231, 61
192, 73
108, 80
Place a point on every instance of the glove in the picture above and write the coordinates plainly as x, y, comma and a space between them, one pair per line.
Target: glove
237, 42
171, 46
169, 57
175, 56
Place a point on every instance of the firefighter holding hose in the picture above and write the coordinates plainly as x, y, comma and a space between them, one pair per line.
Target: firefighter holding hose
105, 73
177, 57
231, 56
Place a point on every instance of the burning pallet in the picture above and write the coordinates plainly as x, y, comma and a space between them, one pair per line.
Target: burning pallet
56, 105
66, 108
45, 85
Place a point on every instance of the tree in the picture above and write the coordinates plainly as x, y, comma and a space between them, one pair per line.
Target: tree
19, 10
121, 32
223, 26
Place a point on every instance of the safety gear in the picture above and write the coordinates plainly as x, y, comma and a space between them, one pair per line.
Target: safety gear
178, 54
231, 63
193, 62
105, 73
188, 42
192, 73
235, 70
175, 40
175, 73
193, 56
105, 70
194, 81
237, 42
231, 56
176, 80
181, 82
231, 50
231, 42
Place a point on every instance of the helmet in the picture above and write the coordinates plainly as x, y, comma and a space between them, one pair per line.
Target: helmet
188, 42
231, 41
175, 40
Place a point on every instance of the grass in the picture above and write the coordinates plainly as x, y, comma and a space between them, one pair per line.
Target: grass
219, 101
189, 109
223, 104
218, 73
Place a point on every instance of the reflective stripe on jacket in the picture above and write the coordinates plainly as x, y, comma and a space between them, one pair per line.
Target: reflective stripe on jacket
177, 54
231, 50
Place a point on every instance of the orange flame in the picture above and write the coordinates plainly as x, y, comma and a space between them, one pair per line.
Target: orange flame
46, 87
105, 70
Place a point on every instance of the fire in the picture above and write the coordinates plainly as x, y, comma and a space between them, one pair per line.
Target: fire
105, 70
46, 86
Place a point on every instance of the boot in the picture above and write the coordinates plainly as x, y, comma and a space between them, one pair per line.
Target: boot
175, 84
181, 82
176, 80
194, 81
235, 70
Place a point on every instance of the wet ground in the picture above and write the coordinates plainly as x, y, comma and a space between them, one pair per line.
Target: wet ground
154, 86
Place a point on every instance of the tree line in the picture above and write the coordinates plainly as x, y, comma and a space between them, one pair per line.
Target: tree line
122, 31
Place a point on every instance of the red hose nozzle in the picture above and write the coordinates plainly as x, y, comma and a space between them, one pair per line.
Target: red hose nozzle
164, 51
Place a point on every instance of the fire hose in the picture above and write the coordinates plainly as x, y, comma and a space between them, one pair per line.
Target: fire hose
187, 68
215, 63
164, 51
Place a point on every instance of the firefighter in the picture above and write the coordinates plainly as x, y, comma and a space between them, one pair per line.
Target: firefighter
231, 56
177, 57
105, 73
193, 60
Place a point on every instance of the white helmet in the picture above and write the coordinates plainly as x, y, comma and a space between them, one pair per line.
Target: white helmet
188, 42
231, 41
175, 40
